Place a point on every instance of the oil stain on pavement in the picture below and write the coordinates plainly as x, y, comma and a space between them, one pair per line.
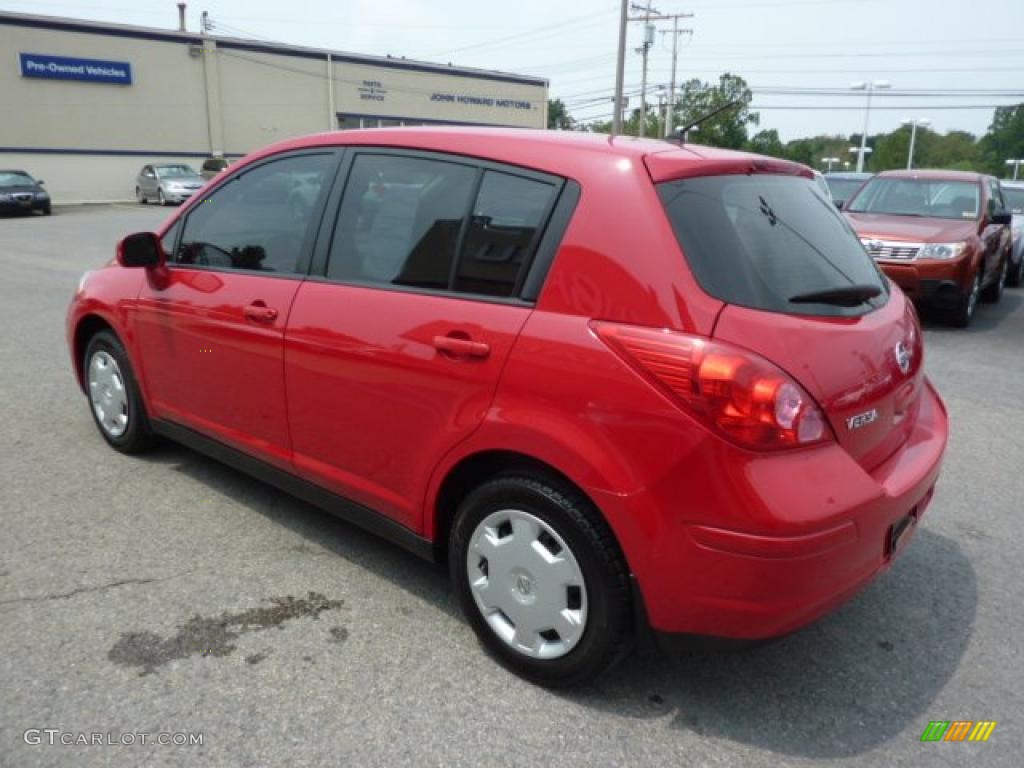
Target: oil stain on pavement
213, 636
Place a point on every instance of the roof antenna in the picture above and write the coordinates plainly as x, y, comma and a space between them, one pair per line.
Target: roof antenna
680, 134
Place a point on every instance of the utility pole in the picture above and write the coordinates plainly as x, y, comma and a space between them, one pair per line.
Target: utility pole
644, 50
676, 32
620, 66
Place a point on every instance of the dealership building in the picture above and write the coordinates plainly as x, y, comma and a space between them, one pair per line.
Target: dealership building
87, 104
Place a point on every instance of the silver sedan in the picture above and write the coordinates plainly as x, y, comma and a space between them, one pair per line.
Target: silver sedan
170, 183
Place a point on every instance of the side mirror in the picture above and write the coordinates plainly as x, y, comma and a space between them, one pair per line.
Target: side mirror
40, 182
142, 249
1002, 217
839, 204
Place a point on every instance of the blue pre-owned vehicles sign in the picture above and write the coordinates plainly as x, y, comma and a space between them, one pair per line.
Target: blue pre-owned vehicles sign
67, 68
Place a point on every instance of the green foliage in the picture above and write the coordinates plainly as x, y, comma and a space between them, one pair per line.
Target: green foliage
729, 129
559, 118
1004, 140
766, 142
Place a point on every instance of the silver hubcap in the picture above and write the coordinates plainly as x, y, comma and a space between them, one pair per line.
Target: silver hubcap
108, 394
527, 584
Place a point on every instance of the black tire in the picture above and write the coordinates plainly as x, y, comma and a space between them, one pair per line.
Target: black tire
47, 211
994, 292
160, 197
607, 634
961, 316
1016, 274
140, 196
137, 435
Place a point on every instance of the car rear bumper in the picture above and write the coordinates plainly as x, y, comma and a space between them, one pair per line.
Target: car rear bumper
819, 529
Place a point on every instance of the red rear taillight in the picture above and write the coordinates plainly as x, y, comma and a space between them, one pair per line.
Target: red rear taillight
734, 391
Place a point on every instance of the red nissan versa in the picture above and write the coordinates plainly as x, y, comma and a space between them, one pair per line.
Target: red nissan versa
612, 383
942, 236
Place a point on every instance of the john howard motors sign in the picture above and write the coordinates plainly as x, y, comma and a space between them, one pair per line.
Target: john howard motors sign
66, 68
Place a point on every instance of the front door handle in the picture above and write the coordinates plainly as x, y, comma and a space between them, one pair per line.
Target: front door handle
259, 312
459, 347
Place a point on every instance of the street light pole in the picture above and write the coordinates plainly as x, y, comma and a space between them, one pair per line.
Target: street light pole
620, 67
868, 86
829, 161
1016, 166
913, 123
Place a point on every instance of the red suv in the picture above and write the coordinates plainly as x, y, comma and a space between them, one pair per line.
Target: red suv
942, 236
614, 384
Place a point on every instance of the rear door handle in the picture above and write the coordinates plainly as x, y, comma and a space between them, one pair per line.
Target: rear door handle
456, 347
259, 312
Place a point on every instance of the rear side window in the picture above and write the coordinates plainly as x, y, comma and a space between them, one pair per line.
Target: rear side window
760, 240
506, 219
438, 224
400, 221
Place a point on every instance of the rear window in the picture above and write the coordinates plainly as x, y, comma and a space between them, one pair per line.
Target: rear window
1014, 198
760, 240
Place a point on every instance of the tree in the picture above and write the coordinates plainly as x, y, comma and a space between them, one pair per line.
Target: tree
767, 142
559, 118
728, 129
1004, 140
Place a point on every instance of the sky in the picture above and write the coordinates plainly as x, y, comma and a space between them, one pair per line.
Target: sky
957, 59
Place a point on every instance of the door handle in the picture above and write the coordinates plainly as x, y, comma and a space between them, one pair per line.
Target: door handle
458, 347
259, 312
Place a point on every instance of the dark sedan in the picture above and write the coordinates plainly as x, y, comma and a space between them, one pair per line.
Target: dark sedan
20, 193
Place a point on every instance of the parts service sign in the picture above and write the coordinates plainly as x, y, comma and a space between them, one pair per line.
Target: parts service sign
66, 68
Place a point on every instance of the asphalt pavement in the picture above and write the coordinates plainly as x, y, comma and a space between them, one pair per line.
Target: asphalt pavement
169, 594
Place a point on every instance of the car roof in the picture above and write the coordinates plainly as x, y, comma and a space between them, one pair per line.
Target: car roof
567, 153
13, 170
848, 175
935, 175
1012, 184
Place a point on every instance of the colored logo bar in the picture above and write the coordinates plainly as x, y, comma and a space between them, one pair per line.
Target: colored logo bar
958, 730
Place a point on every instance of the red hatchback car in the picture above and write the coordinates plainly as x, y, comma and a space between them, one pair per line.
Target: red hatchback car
614, 384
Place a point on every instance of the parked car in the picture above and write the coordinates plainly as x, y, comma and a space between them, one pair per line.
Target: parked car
942, 236
844, 184
1013, 194
213, 166
20, 193
614, 385
169, 183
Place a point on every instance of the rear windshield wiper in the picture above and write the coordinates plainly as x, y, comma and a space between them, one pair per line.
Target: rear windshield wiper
845, 296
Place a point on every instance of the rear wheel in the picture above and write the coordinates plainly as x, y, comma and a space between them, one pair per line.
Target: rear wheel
1016, 274
114, 396
994, 292
962, 315
541, 579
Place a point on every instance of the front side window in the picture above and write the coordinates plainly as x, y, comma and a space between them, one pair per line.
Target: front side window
935, 198
762, 241
259, 220
400, 221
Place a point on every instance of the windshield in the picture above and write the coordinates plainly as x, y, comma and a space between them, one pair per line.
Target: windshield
843, 189
15, 179
1014, 198
761, 240
934, 198
174, 171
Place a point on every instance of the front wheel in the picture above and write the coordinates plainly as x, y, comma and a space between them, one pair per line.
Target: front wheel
994, 292
541, 579
963, 314
160, 197
140, 196
114, 396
